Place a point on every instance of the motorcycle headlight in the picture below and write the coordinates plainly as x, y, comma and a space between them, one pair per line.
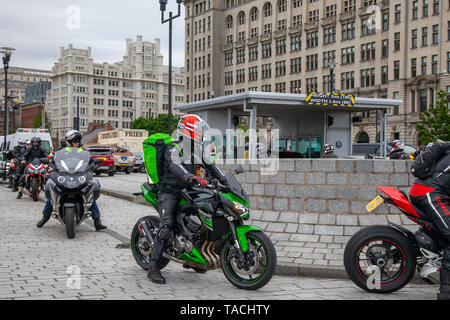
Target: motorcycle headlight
82, 179
30, 170
61, 179
240, 209
42, 170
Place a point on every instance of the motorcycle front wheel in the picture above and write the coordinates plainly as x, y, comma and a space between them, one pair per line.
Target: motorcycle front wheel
69, 221
140, 246
257, 267
380, 259
34, 188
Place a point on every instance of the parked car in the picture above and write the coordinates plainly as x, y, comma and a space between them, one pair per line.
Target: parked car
124, 160
106, 154
139, 163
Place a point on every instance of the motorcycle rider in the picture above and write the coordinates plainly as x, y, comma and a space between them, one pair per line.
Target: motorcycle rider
33, 152
328, 151
179, 172
19, 154
396, 152
432, 196
73, 139
62, 144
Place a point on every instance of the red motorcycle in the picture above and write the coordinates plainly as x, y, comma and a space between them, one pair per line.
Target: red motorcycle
35, 177
384, 259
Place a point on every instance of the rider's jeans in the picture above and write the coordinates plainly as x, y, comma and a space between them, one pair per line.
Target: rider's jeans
94, 208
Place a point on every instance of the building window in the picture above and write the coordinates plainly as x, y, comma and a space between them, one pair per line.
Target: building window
347, 80
266, 50
296, 86
424, 36
434, 64
228, 58
348, 31
241, 18
240, 76
282, 6
266, 71
368, 51
267, 9
348, 55
385, 22
425, 8
448, 62
312, 39
413, 67
268, 28
396, 69
296, 65
397, 41
397, 15
280, 68
297, 3
280, 47
436, 34
436, 7
329, 58
312, 63
423, 100
311, 85
384, 75
240, 56
296, 43
414, 39
329, 35
424, 66
228, 78
253, 73
253, 53
229, 22
367, 27
367, 77
415, 10
349, 5
297, 20
385, 48
280, 87
254, 14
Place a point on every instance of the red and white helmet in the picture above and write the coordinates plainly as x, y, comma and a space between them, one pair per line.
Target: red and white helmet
396, 145
192, 127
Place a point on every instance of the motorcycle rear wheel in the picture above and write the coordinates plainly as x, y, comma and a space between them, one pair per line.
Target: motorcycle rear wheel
141, 249
262, 263
380, 259
69, 221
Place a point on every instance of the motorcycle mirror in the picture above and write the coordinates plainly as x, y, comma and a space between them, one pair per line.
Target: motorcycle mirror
239, 170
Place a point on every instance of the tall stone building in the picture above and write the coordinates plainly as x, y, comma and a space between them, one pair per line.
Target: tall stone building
20, 78
392, 49
110, 93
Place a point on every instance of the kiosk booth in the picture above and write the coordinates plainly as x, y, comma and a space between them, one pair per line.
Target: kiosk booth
305, 122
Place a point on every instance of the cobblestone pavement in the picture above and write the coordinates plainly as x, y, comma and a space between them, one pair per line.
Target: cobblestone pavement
34, 263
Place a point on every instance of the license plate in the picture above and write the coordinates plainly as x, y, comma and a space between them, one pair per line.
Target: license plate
374, 203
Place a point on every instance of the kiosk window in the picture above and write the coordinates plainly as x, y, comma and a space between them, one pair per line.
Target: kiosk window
310, 147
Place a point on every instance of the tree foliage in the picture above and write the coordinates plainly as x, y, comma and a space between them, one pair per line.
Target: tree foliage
434, 123
37, 122
160, 124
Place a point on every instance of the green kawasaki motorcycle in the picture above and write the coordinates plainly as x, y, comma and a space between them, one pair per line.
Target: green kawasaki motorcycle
210, 233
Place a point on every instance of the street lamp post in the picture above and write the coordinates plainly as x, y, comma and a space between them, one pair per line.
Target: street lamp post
163, 4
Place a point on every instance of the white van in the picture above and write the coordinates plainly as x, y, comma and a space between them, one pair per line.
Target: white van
12, 140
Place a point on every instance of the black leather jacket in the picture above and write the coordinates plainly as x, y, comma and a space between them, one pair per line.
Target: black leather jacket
441, 177
177, 169
19, 152
33, 153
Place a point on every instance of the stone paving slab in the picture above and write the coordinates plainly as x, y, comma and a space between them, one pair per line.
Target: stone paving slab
34, 264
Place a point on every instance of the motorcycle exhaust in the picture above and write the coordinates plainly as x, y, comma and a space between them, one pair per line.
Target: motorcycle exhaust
430, 273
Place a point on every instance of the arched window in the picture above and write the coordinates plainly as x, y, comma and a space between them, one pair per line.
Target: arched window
254, 14
282, 5
362, 137
267, 9
241, 18
229, 22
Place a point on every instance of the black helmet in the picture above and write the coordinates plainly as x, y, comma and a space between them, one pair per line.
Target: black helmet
36, 140
73, 136
63, 143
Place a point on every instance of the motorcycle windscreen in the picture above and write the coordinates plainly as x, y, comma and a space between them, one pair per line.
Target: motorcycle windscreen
235, 187
72, 160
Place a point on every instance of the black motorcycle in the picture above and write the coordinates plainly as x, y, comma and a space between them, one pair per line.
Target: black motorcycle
72, 188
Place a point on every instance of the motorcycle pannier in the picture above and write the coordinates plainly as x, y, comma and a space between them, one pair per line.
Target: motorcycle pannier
154, 147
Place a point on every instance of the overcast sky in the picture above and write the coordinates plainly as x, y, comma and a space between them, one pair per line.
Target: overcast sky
37, 29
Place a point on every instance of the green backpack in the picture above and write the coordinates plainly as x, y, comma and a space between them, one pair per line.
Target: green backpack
154, 147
